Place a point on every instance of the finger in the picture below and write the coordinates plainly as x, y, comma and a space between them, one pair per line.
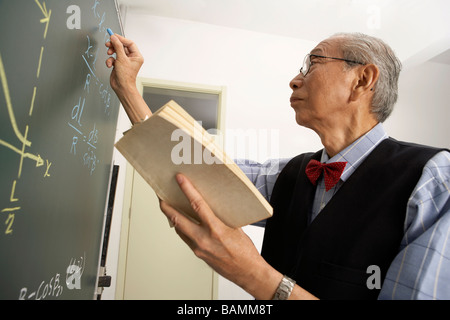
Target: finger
196, 200
111, 51
170, 221
118, 47
178, 224
184, 227
129, 44
110, 62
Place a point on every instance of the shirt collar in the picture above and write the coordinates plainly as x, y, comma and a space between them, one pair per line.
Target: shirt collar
355, 153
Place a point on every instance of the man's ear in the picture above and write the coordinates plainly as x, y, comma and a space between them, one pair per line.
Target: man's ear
367, 77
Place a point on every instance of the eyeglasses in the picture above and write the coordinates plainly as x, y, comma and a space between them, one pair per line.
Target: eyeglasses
307, 62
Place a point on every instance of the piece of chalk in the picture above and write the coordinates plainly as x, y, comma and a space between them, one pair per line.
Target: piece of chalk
110, 31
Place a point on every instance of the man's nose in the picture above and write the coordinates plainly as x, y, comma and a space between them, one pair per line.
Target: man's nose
297, 82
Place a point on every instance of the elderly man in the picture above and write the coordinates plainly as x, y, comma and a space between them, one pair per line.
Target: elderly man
365, 210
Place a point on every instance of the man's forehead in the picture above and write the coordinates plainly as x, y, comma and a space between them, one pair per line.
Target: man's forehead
326, 47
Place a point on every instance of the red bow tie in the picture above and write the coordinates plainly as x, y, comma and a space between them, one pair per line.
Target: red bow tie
331, 171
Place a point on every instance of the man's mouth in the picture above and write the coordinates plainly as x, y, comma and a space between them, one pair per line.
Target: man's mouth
295, 99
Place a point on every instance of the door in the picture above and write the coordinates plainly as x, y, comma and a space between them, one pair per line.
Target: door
159, 265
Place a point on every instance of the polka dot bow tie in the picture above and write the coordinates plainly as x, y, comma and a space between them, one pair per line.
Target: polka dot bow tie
332, 172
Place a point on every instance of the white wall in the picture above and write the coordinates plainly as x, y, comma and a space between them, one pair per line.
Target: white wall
423, 108
256, 69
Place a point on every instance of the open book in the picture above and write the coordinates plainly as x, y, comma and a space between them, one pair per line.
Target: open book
171, 142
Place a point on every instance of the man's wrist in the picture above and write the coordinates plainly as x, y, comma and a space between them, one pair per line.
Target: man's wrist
135, 106
284, 289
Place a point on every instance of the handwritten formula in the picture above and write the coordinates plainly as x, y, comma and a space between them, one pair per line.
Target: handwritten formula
20, 147
85, 139
55, 285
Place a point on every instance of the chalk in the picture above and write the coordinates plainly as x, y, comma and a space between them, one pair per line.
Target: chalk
110, 31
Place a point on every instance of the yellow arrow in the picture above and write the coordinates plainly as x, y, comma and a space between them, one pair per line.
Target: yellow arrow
37, 158
47, 15
39, 161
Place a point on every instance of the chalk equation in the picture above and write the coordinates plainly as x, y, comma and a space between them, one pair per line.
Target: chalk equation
86, 135
85, 138
54, 286
21, 146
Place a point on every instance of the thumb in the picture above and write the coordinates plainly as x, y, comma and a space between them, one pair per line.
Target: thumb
205, 214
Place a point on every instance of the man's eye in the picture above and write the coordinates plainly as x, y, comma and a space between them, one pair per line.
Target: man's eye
313, 61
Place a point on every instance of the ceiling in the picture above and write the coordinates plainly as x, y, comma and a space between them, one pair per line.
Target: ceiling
322, 17
280, 17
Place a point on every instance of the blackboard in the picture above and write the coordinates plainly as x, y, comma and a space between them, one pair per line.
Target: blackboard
58, 118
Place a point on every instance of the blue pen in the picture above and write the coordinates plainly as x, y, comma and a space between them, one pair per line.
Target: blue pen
110, 31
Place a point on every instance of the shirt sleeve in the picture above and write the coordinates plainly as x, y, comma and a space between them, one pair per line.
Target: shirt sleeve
421, 270
263, 175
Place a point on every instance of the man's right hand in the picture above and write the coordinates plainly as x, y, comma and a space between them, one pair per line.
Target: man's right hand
127, 63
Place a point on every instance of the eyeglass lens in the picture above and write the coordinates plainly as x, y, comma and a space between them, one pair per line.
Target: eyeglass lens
305, 67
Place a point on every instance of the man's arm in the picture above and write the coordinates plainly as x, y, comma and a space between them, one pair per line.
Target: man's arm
229, 251
422, 268
263, 175
126, 65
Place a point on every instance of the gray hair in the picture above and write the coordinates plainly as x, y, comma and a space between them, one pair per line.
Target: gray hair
367, 49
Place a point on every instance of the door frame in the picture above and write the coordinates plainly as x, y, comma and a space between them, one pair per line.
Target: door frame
130, 172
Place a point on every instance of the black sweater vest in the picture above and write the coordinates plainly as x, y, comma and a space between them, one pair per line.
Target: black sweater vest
362, 225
